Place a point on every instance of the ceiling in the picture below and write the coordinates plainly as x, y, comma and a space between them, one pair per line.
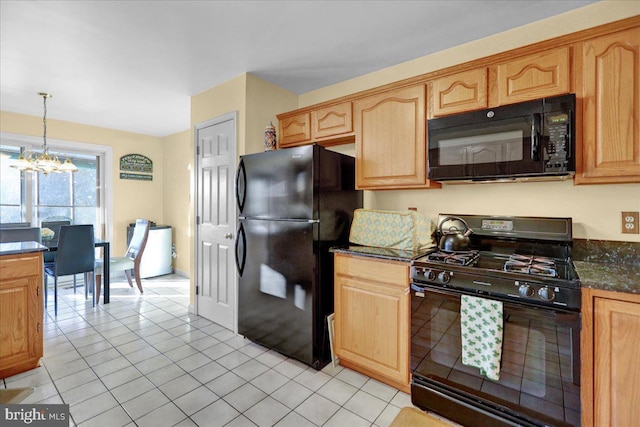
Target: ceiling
133, 65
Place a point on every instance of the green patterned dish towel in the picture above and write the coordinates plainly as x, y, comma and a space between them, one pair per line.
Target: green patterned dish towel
481, 326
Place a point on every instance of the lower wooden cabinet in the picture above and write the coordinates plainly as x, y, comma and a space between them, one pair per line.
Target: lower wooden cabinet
372, 309
20, 313
610, 358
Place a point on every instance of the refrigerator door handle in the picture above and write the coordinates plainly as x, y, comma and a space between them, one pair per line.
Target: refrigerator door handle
241, 184
241, 236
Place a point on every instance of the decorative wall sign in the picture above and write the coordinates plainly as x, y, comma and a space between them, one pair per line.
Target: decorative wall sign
136, 176
136, 163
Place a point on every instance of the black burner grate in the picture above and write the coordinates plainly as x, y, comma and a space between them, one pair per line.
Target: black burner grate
530, 264
460, 258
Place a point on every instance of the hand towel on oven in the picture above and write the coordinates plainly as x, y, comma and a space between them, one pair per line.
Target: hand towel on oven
481, 326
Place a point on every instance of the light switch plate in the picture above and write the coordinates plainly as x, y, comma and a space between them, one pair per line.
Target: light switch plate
630, 223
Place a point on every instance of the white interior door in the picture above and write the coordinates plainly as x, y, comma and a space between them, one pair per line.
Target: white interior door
216, 220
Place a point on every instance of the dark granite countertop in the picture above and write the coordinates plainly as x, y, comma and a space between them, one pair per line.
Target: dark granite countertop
609, 276
382, 253
14, 248
619, 270
608, 265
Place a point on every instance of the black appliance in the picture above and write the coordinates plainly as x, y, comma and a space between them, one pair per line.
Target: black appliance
525, 263
294, 204
533, 140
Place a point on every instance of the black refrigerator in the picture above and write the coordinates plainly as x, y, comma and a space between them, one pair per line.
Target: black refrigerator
294, 204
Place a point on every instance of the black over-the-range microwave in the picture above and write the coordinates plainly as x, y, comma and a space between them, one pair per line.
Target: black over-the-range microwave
533, 140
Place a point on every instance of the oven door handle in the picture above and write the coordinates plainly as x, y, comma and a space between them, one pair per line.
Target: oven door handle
417, 287
562, 316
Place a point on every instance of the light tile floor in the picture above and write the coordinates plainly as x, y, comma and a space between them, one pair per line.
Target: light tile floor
144, 360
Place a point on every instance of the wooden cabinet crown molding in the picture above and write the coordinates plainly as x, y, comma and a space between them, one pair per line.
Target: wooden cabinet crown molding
600, 65
487, 61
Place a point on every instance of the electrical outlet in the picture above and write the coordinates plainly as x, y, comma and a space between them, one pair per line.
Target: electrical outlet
630, 223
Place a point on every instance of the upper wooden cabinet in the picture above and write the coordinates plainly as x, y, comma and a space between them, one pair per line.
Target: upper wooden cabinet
530, 77
599, 65
459, 92
390, 140
295, 130
327, 125
332, 121
608, 73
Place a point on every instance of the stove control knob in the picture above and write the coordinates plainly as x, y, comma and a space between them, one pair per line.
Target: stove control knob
430, 275
444, 277
546, 293
526, 290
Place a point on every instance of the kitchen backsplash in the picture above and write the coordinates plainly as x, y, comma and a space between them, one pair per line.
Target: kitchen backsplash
606, 251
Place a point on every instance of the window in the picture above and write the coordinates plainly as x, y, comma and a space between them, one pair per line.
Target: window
11, 187
35, 197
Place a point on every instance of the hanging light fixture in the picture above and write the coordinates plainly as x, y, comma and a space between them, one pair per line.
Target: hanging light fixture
44, 162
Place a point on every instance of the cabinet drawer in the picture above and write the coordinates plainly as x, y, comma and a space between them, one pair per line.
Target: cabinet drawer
15, 266
389, 272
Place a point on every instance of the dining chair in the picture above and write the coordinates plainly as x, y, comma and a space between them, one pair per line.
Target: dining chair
20, 234
75, 255
131, 259
55, 227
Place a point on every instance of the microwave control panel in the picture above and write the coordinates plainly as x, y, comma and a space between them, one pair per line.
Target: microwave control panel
558, 148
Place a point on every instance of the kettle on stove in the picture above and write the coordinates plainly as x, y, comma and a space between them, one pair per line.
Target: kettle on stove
456, 238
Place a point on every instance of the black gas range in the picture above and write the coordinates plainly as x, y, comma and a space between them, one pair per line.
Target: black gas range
524, 263
515, 258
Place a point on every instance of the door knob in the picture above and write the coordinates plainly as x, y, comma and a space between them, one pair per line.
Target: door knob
228, 236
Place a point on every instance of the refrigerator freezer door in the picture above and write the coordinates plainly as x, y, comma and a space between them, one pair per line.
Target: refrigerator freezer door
276, 184
275, 291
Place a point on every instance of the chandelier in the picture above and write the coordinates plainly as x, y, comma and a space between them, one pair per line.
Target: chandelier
44, 162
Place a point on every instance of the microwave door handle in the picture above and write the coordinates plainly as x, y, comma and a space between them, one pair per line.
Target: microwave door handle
535, 137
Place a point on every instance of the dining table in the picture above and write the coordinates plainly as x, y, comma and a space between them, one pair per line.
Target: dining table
52, 245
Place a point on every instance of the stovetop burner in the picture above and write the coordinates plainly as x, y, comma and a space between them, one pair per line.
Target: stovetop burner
460, 258
530, 264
